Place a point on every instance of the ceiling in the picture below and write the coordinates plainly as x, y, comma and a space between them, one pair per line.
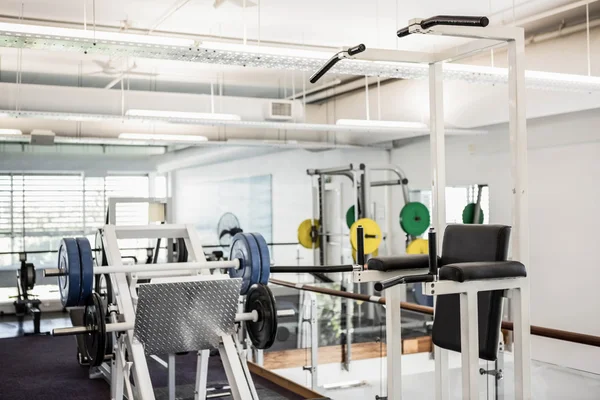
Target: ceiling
305, 23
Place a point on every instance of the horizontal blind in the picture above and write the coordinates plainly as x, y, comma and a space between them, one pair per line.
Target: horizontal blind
66, 205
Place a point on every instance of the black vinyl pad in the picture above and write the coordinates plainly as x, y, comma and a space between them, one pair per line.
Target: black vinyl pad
473, 271
393, 263
472, 252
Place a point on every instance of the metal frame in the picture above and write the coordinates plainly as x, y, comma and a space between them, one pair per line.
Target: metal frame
513, 38
124, 281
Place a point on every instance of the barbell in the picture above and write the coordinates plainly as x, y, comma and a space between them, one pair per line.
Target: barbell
260, 316
249, 259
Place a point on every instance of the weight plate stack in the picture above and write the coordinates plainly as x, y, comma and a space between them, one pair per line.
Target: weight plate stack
305, 234
244, 248
263, 332
350, 217
265, 258
469, 213
69, 283
414, 218
94, 319
27, 277
418, 246
86, 262
99, 253
372, 232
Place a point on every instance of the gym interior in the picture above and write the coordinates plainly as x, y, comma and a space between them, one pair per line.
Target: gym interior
260, 199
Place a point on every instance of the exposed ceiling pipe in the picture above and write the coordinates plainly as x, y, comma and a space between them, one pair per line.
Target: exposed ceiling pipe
351, 86
570, 30
183, 35
112, 83
320, 88
551, 12
174, 8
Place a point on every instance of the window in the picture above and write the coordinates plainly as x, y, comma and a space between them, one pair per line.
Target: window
36, 211
456, 200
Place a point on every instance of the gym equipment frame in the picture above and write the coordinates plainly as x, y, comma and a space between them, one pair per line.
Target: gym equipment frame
124, 279
486, 38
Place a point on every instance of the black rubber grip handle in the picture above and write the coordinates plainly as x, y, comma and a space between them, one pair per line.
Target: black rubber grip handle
403, 32
360, 245
356, 49
455, 20
314, 269
323, 70
334, 60
398, 280
433, 259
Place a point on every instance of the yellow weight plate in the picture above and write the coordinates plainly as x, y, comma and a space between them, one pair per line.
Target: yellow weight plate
418, 246
375, 254
373, 235
304, 234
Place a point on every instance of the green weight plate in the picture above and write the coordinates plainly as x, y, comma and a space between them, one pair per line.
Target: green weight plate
469, 213
414, 218
350, 217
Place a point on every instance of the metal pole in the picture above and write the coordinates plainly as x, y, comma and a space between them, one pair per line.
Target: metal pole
393, 326
172, 379
323, 222
519, 303
438, 171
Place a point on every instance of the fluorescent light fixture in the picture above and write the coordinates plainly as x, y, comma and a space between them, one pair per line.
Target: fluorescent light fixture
90, 35
163, 137
10, 132
182, 115
375, 123
266, 50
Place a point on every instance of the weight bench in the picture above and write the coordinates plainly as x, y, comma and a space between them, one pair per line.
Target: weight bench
473, 278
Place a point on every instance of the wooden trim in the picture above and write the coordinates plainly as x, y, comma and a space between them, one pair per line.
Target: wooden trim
284, 382
295, 358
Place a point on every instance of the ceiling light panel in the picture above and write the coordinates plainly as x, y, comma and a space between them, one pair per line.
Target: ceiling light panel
408, 132
167, 48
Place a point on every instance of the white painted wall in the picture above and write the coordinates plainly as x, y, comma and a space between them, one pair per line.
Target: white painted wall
564, 165
291, 187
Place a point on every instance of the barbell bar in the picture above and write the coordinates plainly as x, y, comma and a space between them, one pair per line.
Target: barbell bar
126, 326
187, 266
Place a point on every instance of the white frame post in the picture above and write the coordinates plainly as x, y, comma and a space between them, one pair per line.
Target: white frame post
519, 302
393, 331
438, 198
469, 345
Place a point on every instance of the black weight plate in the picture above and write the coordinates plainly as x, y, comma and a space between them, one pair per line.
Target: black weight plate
264, 331
94, 319
99, 253
27, 277
103, 286
182, 252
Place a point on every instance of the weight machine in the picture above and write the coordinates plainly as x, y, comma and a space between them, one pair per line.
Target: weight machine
25, 303
461, 287
183, 308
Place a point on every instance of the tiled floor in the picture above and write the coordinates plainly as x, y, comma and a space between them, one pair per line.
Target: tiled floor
549, 382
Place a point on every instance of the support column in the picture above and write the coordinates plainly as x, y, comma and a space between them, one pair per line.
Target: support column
519, 303
469, 345
393, 327
438, 197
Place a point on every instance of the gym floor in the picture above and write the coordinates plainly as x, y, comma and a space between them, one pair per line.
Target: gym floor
58, 354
